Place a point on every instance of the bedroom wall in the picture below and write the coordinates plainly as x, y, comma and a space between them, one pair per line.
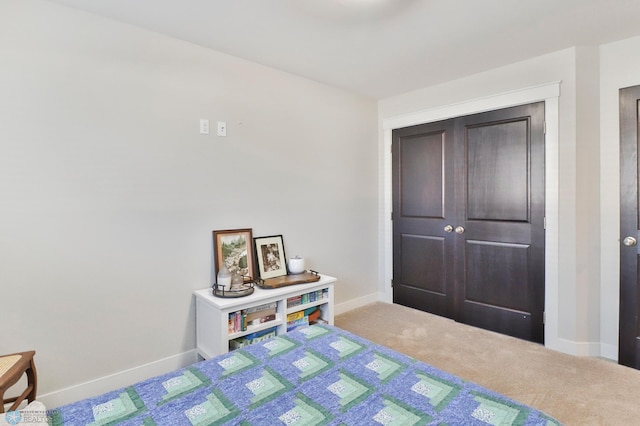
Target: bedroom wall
576, 297
109, 193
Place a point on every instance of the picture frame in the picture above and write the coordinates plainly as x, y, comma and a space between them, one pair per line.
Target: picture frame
232, 247
270, 256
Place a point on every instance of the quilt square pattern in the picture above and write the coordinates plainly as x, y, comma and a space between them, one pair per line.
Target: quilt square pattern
317, 375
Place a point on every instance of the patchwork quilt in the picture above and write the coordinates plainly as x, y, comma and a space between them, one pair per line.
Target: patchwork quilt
318, 375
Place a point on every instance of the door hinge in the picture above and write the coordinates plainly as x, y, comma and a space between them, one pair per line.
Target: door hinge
391, 282
391, 215
544, 222
544, 317
544, 127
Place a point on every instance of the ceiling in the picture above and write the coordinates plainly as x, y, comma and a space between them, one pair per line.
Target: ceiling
380, 48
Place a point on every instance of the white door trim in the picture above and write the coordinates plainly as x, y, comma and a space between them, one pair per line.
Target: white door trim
548, 93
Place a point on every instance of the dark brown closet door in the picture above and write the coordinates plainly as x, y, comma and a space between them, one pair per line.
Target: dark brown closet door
629, 345
481, 259
423, 205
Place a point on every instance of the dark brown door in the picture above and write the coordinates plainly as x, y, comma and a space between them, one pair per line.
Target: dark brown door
629, 344
423, 205
468, 219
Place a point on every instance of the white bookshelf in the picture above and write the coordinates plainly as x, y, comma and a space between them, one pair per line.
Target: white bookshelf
212, 312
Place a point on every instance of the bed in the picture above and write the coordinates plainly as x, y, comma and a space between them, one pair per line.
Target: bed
317, 375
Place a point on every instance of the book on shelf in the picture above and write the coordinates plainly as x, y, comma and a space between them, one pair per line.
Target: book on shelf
313, 314
295, 316
255, 337
300, 322
257, 316
237, 321
304, 318
263, 307
240, 320
310, 297
262, 320
294, 301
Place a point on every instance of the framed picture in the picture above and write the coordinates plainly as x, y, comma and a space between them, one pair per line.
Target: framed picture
272, 261
233, 248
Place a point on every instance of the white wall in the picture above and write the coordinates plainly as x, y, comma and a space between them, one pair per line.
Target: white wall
575, 261
587, 217
109, 194
620, 67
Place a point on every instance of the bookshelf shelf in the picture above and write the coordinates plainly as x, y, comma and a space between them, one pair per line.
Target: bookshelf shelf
220, 320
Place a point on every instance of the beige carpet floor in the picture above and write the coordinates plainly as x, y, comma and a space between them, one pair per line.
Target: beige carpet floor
574, 390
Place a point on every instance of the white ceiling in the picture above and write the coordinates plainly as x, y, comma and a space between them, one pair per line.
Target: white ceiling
380, 48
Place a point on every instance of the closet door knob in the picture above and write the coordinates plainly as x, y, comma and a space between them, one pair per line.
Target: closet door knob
629, 241
448, 228
459, 230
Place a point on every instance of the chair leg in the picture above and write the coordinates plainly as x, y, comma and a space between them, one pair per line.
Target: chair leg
32, 381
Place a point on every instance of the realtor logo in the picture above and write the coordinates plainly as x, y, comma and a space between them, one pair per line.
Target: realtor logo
26, 416
13, 417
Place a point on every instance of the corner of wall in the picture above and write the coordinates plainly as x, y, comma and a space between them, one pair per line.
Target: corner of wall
349, 305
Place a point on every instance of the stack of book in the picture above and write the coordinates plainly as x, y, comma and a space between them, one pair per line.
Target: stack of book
305, 317
296, 319
308, 297
240, 320
258, 336
260, 314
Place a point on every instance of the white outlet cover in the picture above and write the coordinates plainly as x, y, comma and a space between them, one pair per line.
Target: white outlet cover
204, 126
222, 128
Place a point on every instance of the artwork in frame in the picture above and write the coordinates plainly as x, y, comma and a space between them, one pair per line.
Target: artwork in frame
233, 248
272, 261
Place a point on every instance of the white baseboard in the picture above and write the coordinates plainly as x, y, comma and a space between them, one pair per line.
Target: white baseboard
343, 307
117, 380
575, 348
609, 351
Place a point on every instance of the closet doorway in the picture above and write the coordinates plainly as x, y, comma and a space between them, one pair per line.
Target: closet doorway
468, 219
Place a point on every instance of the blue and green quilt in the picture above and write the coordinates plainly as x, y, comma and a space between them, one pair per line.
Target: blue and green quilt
318, 375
